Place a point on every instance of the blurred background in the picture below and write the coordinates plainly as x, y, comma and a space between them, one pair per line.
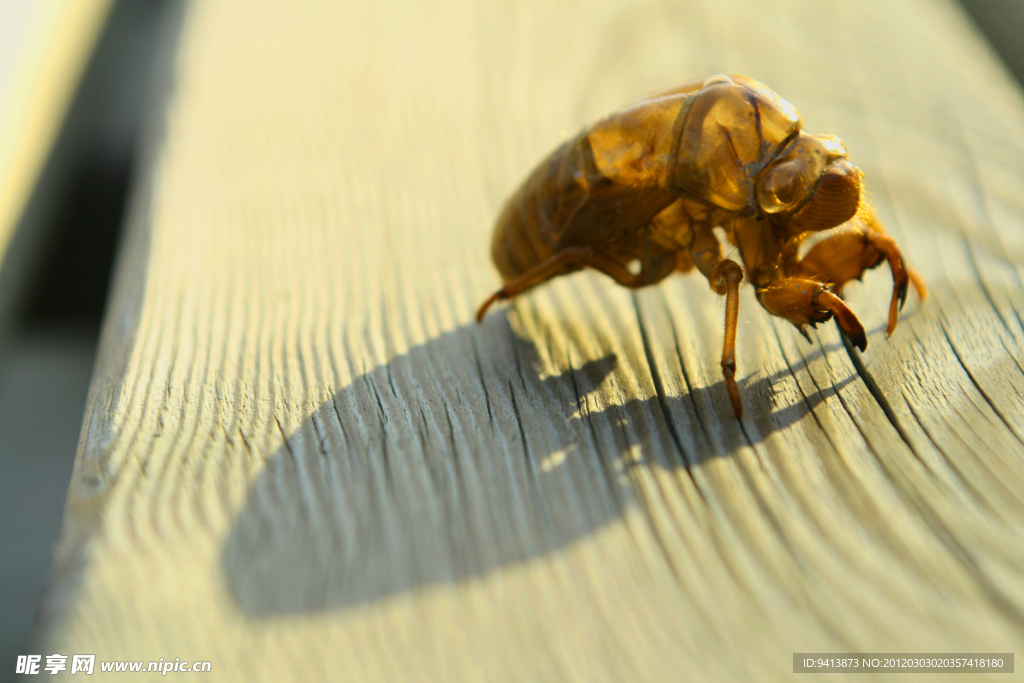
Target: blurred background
50, 322
54, 312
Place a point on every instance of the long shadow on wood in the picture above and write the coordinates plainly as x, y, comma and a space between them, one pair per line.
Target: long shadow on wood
452, 461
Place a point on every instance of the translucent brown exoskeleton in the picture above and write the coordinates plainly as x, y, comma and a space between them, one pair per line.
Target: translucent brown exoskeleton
648, 184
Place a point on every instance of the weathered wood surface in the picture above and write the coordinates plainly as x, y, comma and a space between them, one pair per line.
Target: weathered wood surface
44, 47
302, 460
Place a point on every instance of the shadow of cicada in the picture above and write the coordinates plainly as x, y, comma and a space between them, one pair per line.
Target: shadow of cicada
452, 460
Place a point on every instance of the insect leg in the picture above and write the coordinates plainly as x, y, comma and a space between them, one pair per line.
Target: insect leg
727, 276
724, 276
655, 266
534, 276
856, 247
803, 301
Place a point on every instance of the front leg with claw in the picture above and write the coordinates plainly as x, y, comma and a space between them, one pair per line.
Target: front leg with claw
853, 248
809, 302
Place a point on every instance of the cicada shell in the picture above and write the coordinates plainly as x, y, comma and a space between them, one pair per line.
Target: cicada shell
638, 194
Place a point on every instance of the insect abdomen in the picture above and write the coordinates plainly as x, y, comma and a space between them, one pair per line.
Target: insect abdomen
534, 218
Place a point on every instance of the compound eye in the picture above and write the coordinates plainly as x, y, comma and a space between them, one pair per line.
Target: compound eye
783, 187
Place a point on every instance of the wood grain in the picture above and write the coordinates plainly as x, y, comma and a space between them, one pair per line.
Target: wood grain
301, 460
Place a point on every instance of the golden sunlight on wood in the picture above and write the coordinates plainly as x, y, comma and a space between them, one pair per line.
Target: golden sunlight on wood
302, 459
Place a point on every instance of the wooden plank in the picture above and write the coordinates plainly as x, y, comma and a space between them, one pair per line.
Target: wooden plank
301, 459
44, 47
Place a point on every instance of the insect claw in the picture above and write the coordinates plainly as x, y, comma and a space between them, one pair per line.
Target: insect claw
845, 318
482, 311
919, 286
857, 340
902, 293
899, 295
803, 330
